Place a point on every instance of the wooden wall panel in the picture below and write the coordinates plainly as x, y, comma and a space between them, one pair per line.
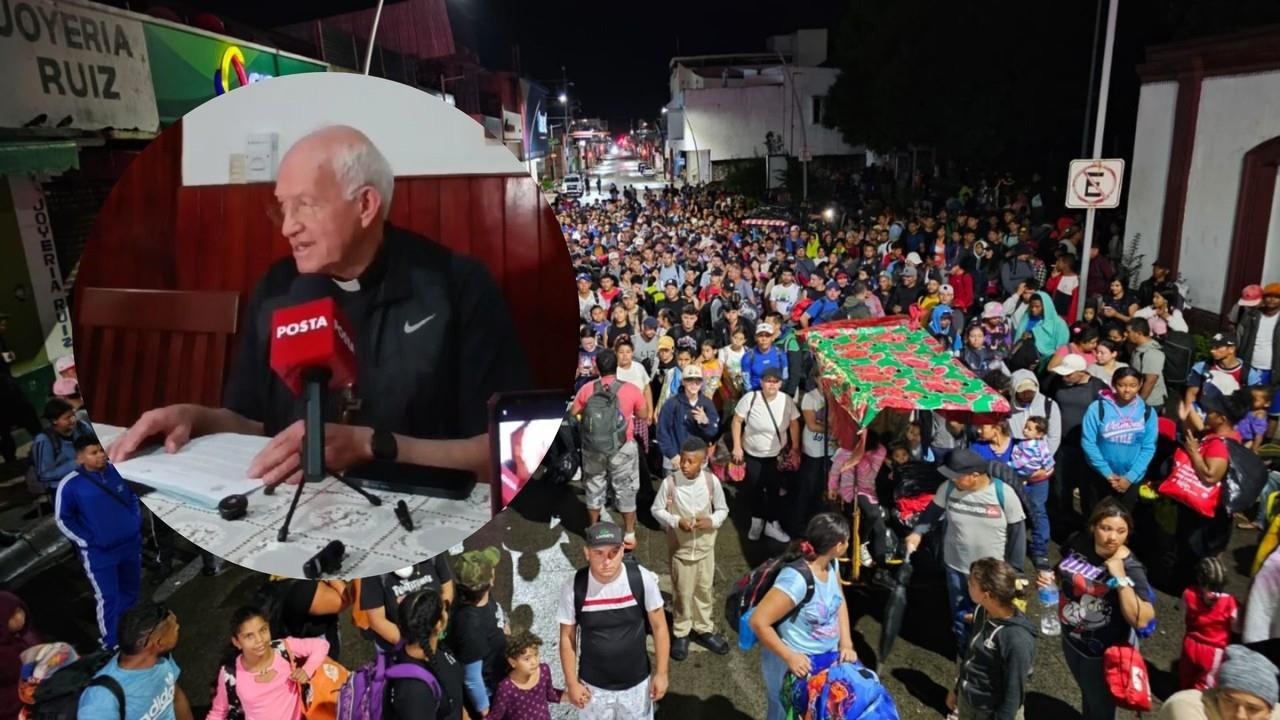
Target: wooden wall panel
155, 234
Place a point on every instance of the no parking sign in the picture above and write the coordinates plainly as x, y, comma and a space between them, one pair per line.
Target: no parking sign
1094, 183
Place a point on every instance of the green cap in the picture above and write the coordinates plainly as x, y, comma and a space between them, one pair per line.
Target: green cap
474, 568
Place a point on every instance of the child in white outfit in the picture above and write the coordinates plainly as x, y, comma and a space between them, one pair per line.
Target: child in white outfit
690, 505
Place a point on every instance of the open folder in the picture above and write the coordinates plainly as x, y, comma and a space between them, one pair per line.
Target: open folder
203, 472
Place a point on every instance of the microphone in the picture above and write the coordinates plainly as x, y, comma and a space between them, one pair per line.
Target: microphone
325, 562
310, 338
311, 351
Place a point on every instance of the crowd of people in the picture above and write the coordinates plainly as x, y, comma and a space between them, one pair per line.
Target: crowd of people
1124, 448
1119, 469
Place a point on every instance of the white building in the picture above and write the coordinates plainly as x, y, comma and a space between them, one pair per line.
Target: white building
1202, 191
723, 107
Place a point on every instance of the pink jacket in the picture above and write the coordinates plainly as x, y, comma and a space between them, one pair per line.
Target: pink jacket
859, 481
279, 699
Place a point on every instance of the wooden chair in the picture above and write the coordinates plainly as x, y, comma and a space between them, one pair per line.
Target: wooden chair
141, 349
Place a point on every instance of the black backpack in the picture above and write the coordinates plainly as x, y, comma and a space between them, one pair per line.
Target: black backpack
58, 696
1179, 352
634, 579
1246, 474
751, 588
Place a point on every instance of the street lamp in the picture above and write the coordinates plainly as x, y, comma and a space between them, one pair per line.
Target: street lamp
563, 98
664, 111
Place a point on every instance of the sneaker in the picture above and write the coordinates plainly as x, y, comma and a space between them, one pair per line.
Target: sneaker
757, 527
680, 648
864, 555
774, 531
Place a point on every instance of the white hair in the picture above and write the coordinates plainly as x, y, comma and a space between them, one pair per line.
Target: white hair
357, 163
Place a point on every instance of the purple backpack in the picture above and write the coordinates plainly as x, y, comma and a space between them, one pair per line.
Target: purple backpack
362, 696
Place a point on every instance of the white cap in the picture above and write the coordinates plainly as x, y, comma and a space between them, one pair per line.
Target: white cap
1071, 363
914, 258
64, 363
946, 289
764, 328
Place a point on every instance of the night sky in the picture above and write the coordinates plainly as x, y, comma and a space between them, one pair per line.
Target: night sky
616, 53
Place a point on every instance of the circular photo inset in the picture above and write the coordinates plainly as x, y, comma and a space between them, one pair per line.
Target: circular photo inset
303, 315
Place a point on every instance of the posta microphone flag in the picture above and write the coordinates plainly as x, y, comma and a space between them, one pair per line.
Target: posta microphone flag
310, 333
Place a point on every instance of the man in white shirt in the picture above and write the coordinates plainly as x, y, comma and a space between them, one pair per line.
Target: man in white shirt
785, 293
1259, 346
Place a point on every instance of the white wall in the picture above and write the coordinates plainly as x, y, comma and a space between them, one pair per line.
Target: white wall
732, 122
1150, 170
1237, 112
1271, 262
418, 133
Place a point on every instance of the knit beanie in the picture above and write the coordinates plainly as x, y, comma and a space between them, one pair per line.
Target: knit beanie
1249, 672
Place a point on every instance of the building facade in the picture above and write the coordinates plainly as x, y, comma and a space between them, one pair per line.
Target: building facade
1202, 188
727, 108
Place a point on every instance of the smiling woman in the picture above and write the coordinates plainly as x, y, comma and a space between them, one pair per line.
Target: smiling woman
405, 275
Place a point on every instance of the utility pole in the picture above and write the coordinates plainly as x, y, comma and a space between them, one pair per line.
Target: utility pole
1099, 126
564, 77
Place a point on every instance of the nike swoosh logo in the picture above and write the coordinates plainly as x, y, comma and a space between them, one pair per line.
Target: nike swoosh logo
408, 328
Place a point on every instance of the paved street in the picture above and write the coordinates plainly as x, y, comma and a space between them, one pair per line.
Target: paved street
621, 169
541, 538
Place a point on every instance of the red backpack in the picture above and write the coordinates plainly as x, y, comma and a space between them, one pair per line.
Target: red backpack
1126, 675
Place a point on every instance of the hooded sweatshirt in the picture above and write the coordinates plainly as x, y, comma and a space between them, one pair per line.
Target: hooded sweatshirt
949, 337
993, 672
11, 646
1040, 406
1123, 441
1050, 333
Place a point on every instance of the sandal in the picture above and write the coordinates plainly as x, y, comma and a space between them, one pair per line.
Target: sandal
1244, 523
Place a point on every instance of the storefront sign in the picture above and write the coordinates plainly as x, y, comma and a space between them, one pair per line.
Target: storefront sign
48, 295
189, 67
71, 66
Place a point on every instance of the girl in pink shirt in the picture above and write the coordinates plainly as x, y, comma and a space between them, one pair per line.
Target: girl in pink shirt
853, 472
266, 685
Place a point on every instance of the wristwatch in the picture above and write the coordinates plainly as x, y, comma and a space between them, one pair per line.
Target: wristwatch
384, 446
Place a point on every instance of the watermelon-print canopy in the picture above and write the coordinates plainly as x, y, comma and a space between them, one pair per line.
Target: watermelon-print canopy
887, 364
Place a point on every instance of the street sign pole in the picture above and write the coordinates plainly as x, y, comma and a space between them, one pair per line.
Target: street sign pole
1103, 88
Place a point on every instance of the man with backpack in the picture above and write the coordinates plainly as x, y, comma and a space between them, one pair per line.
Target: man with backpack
1148, 359
984, 518
102, 517
138, 683
607, 408
615, 603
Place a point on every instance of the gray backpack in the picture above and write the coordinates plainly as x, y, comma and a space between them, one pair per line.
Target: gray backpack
604, 429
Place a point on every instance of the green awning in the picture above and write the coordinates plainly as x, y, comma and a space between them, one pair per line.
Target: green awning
41, 156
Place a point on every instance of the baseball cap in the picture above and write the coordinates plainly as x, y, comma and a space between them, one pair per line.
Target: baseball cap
944, 288
908, 271
992, 310
1026, 383
584, 276
670, 283
64, 363
666, 343
1251, 296
963, 462
1071, 363
604, 534
651, 323
1272, 289
474, 569
833, 285
771, 372
1222, 340
691, 372
764, 328
913, 258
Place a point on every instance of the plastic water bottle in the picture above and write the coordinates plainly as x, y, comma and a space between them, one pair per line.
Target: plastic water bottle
1049, 625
